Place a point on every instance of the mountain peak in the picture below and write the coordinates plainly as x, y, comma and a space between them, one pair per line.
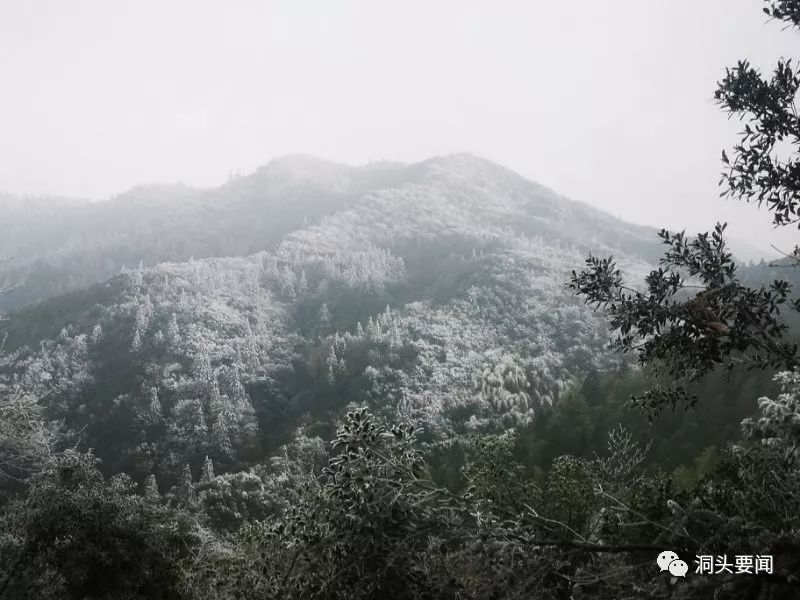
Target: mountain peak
299, 165
154, 194
471, 166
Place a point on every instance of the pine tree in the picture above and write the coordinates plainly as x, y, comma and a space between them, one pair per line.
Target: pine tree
287, 286
235, 388
221, 437
173, 333
155, 412
329, 268
144, 313
137, 278
324, 317
341, 367
184, 494
151, 489
302, 284
373, 328
339, 343
332, 363
136, 342
204, 374
208, 471
190, 424
225, 427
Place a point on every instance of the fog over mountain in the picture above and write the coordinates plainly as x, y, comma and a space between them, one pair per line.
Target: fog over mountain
59, 246
595, 100
455, 259
406, 285
466, 319
229, 330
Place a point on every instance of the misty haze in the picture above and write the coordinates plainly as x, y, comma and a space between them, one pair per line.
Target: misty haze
459, 300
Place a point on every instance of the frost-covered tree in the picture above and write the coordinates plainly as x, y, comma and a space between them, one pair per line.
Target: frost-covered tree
208, 471
173, 333
231, 499
332, 362
302, 284
324, 319
155, 412
136, 342
111, 543
287, 282
151, 491
188, 429
183, 494
778, 425
506, 384
221, 432
28, 440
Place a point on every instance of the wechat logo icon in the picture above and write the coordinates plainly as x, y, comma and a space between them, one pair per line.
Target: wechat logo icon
669, 561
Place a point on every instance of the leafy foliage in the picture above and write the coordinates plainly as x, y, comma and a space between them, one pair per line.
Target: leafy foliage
760, 171
684, 333
75, 535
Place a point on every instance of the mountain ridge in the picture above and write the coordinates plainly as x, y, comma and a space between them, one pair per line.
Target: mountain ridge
433, 292
173, 222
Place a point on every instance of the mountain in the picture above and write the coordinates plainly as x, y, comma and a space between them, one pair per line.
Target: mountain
59, 247
433, 291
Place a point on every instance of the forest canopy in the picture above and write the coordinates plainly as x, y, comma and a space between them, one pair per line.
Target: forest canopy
397, 381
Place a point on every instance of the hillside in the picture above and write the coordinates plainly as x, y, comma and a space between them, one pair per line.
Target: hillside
431, 294
59, 247
433, 291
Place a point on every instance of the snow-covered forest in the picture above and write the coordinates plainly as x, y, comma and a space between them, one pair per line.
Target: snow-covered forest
416, 380
436, 294
433, 294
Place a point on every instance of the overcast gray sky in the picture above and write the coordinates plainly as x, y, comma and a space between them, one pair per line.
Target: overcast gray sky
606, 101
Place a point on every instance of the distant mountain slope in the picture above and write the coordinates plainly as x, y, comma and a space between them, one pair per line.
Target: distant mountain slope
434, 291
58, 247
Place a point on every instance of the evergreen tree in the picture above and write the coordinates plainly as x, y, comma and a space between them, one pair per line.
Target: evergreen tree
173, 333
79, 536
184, 493
287, 282
332, 363
136, 342
208, 471
324, 319
155, 411
221, 437
302, 284
151, 491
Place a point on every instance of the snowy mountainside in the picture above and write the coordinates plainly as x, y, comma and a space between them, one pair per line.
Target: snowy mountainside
433, 291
